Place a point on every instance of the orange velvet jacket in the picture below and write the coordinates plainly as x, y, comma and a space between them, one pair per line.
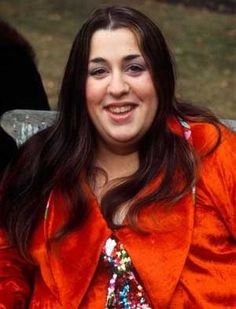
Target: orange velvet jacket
187, 261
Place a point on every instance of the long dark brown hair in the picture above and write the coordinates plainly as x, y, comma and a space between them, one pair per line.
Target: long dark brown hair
55, 158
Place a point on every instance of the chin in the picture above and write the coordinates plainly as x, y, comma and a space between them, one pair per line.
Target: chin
125, 139
125, 143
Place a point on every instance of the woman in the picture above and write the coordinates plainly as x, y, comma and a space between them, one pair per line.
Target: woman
128, 201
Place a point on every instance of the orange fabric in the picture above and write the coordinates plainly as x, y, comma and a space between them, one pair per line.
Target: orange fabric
188, 260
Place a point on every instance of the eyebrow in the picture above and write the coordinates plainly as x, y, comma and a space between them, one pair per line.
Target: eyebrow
126, 58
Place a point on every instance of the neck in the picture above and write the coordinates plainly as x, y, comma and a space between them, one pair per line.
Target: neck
116, 164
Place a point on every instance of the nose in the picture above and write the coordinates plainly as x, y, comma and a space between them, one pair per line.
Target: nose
117, 86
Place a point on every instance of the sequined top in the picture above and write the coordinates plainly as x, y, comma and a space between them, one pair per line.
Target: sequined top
124, 289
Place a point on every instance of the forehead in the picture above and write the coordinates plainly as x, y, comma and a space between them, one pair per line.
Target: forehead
119, 42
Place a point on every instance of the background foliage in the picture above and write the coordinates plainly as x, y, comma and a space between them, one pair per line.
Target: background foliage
202, 41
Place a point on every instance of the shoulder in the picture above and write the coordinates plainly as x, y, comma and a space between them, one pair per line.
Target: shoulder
216, 187
219, 162
206, 135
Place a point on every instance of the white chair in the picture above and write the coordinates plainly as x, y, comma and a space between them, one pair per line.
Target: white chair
21, 124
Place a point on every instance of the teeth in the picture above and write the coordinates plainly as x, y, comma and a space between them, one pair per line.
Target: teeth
119, 110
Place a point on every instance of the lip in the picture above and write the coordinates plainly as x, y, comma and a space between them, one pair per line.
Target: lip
122, 117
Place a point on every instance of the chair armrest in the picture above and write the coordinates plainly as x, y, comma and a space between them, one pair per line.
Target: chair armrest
21, 124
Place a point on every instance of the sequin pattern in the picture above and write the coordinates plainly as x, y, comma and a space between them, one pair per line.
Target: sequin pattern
124, 290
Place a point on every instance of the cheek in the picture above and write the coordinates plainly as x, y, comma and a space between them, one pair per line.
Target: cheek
150, 99
89, 92
151, 94
95, 92
146, 91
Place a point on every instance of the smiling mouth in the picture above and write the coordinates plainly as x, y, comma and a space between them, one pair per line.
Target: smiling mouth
119, 110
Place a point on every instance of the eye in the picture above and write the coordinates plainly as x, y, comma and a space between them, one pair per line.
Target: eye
135, 69
98, 72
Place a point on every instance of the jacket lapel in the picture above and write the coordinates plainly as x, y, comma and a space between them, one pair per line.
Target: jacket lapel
159, 257
74, 261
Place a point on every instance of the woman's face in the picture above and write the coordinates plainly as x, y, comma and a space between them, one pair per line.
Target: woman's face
121, 98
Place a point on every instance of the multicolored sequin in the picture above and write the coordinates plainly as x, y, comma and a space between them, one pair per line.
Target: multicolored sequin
124, 290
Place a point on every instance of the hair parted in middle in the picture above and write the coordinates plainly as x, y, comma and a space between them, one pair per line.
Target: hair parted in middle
152, 45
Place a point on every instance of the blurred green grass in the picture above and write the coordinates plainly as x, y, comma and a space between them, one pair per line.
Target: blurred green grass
202, 42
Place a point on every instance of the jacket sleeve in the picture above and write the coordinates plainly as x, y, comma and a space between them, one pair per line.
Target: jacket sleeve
15, 274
